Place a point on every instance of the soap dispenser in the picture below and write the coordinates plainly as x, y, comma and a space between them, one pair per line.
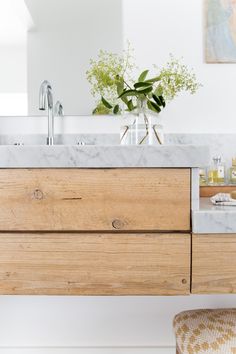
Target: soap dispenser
216, 172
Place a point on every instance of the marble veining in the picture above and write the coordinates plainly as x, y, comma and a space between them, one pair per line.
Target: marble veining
223, 145
218, 144
213, 219
102, 156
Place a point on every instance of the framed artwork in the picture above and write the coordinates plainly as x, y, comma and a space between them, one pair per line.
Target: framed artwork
220, 31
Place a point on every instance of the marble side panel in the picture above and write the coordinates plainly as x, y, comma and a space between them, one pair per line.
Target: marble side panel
210, 219
194, 188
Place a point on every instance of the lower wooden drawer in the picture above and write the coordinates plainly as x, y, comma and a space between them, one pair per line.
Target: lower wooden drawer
214, 264
94, 264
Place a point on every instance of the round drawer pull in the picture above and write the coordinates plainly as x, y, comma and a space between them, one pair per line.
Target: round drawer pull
184, 281
117, 224
38, 194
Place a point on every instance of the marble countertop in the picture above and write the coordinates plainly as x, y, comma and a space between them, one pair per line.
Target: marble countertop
211, 219
103, 156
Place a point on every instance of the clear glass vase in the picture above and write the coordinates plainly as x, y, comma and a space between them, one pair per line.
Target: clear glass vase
141, 127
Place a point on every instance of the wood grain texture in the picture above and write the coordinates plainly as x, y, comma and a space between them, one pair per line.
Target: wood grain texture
94, 264
209, 191
94, 199
214, 264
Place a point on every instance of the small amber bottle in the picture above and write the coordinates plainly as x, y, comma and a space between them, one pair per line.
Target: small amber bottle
232, 172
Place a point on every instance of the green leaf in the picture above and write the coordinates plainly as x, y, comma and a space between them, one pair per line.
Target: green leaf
106, 104
158, 91
157, 100
143, 75
120, 87
163, 103
153, 106
145, 90
142, 84
94, 111
124, 99
130, 105
141, 91
128, 93
154, 79
116, 109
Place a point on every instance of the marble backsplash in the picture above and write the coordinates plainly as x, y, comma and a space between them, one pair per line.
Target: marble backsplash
65, 139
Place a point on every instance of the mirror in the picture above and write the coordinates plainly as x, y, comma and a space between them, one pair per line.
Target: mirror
53, 40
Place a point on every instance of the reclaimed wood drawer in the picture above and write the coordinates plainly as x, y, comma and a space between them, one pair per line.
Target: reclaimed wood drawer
94, 199
214, 264
94, 264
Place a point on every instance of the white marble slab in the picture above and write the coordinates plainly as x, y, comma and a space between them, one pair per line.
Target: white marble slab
194, 188
211, 219
106, 156
223, 145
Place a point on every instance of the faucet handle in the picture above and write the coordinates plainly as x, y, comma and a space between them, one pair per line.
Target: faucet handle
58, 109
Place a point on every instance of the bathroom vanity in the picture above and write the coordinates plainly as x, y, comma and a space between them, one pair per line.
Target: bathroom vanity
98, 220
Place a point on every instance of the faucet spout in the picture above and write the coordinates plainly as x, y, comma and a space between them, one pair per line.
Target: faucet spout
46, 102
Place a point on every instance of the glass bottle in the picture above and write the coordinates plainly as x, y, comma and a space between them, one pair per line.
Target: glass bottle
232, 172
202, 177
216, 172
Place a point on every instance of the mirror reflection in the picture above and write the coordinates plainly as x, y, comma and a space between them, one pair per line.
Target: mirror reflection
53, 40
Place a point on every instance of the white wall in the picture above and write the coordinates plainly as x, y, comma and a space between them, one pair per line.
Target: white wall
68, 34
13, 79
13, 75
87, 325
159, 27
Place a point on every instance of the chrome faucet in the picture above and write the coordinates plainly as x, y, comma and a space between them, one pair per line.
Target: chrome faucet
58, 110
46, 101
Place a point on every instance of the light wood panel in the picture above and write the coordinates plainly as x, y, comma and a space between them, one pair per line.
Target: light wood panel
214, 263
94, 264
209, 191
94, 199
